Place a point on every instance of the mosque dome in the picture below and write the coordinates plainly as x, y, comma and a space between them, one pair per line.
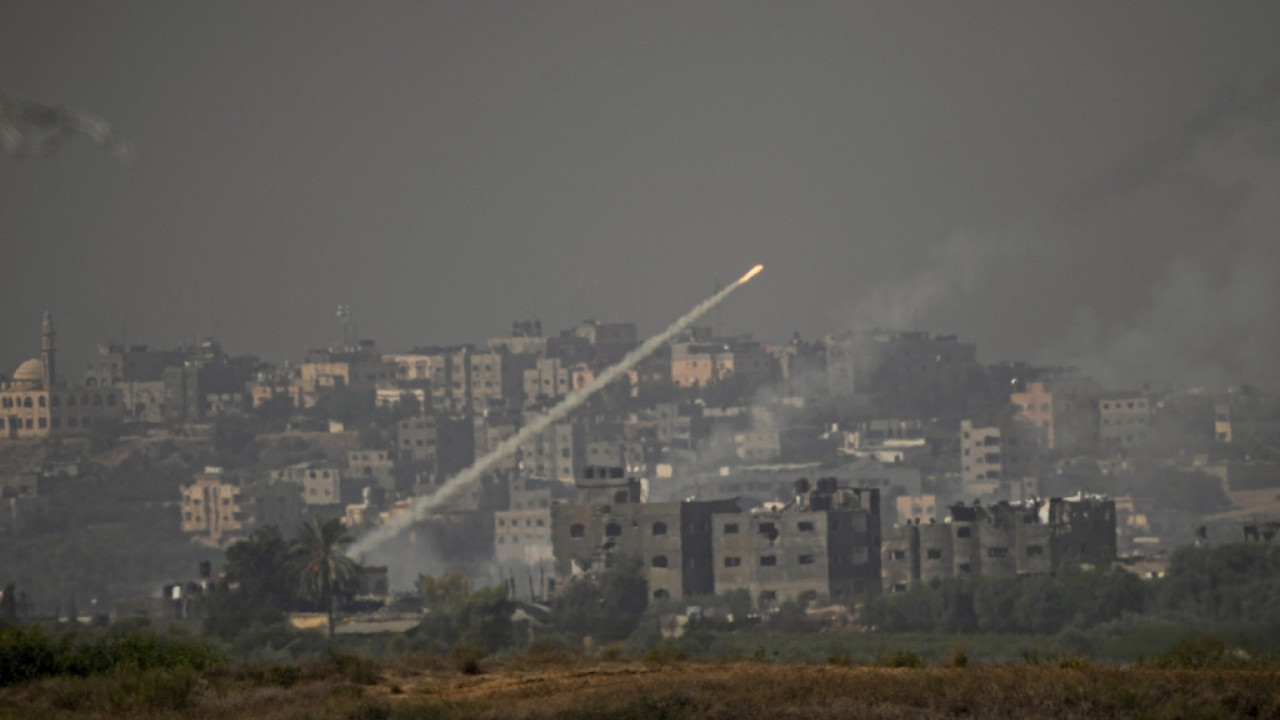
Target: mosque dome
29, 373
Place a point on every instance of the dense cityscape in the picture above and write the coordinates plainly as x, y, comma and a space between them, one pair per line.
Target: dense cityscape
842, 469
385, 362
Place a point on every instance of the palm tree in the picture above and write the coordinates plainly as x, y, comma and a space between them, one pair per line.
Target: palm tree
321, 569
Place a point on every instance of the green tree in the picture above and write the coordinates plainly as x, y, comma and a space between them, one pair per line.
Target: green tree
320, 567
608, 609
254, 589
484, 619
443, 593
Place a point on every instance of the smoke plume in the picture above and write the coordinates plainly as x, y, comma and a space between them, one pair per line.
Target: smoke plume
423, 506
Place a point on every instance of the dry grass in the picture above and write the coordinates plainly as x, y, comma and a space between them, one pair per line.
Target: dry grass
565, 684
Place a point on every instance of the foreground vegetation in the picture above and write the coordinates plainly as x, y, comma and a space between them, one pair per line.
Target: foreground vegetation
137, 675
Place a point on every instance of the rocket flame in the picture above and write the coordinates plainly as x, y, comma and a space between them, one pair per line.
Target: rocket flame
750, 274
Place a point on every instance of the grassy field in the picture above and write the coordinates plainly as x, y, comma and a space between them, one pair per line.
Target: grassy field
553, 683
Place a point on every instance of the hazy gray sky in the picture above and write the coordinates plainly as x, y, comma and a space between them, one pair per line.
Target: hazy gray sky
1086, 181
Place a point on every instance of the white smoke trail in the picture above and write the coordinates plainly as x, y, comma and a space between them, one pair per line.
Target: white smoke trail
425, 504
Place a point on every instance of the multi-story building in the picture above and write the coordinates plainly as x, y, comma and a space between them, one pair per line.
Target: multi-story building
36, 405
1035, 405
525, 339
416, 438
697, 364
1002, 540
672, 540
321, 483
116, 364
547, 379
219, 508
555, 454
362, 370
522, 537
981, 465
1123, 418
374, 466
826, 542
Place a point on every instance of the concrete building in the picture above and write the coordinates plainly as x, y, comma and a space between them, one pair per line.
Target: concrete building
322, 483
35, 404
416, 438
557, 453
115, 364
374, 466
697, 364
363, 370
547, 379
1035, 405
523, 537
672, 540
826, 542
1123, 419
219, 508
1002, 540
981, 465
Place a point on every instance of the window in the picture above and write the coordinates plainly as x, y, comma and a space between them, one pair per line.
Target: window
731, 528
897, 555
42, 401
768, 560
577, 530
659, 528
1034, 551
26, 402
97, 401
661, 594
731, 562
965, 568
806, 559
44, 423
963, 532
658, 561
804, 527
934, 553
111, 400
612, 530
998, 552
768, 528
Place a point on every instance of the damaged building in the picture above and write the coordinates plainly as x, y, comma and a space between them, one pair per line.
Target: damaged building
824, 542
1035, 537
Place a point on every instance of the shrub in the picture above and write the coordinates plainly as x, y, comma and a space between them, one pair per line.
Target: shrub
901, 659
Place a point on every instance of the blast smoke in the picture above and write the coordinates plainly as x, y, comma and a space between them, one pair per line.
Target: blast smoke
422, 506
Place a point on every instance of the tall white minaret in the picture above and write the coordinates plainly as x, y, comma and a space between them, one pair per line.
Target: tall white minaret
47, 351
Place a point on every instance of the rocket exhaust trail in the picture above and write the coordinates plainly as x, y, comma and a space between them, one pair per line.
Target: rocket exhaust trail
423, 505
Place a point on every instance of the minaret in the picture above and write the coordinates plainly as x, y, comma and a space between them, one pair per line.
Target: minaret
48, 351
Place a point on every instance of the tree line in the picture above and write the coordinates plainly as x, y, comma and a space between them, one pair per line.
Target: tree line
1237, 584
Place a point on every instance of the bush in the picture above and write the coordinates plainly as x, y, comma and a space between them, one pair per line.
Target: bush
28, 653
901, 659
1200, 652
